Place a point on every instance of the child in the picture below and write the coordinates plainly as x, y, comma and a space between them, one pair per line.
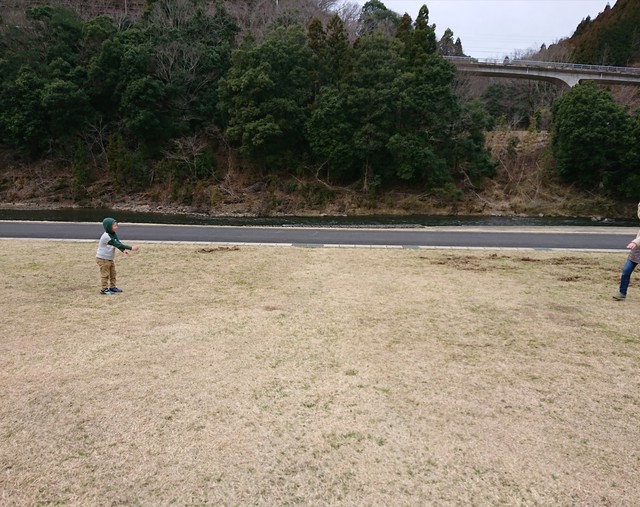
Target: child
632, 261
106, 252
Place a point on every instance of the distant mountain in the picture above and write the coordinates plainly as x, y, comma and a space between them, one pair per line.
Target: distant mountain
612, 38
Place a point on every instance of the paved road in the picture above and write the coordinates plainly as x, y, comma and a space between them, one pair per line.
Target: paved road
592, 238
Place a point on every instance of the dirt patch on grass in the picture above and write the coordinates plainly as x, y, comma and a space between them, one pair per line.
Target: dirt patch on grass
281, 376
217, 249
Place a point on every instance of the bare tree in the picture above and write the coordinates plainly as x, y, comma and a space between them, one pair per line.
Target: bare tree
96, 139
258, 16
85, 8
178, 56
349, 13
559, 51
172, 13
627, 96
187, 151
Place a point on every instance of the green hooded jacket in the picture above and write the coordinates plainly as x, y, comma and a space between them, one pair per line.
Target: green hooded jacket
107, 223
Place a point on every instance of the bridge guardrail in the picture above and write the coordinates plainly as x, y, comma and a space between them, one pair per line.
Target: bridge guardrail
542, 64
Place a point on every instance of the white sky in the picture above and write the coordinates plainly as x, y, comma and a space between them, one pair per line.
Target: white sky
496, 28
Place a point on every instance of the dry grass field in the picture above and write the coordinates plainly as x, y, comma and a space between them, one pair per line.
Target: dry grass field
270, 376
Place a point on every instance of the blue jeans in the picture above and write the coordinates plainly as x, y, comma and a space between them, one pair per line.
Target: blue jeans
626, 276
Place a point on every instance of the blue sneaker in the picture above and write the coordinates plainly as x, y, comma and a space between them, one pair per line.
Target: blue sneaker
106, 292
115, 289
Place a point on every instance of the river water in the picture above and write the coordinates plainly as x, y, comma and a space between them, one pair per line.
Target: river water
96, 215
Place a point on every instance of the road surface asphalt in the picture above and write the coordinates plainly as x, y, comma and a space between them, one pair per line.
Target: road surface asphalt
571, 238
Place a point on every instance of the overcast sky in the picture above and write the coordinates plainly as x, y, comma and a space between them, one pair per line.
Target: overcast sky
496, 28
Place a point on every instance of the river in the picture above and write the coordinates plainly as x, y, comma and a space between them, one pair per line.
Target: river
96, 215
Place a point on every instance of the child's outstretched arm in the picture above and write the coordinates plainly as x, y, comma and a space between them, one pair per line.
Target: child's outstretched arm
121, 246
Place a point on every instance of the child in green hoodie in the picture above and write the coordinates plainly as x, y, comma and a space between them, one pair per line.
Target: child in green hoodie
106, 253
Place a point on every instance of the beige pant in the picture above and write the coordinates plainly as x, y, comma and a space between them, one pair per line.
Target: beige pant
107, 273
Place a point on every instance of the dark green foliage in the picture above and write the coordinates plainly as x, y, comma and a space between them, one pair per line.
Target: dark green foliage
404, 31
594, 140
331, 50
128, 167
376, 16
427, 111
265, 97
59, 30
472, 161
96, 31
520, 104
329, 130
338, 52
42, 100
424, 36
419, 38
67, 107
317, 40
189, 160
151, 100
508, 103
370, 99
627, 181
142, 109
22, 119
591, 138
146, 82
396, 118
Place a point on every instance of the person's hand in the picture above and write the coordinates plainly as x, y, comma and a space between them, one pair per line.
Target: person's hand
134, 248
632, 245
126, 252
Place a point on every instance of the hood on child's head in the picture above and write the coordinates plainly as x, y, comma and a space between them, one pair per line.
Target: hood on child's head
107, 223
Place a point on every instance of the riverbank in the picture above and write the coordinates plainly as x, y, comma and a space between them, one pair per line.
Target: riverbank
525, 185
46, 195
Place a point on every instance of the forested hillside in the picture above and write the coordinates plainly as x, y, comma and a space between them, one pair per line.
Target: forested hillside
613, 38
209, 105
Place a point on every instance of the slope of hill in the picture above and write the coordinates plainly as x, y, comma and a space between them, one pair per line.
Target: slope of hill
612, 38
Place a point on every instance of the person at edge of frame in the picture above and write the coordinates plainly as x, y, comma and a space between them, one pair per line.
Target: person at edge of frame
632, 261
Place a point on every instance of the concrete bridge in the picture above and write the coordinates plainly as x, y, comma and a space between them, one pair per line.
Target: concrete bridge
569, 74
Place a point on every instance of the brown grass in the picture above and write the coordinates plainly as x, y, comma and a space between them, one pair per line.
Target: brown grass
283, 376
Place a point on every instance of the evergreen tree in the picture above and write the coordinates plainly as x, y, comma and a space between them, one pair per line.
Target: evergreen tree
338, 52
446, 45
437, 139
43, 101
424, 36
591, 136
317, 40
265, 97
23, 121
397, 120
405, 30
376, 16
457, 48
351, 124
